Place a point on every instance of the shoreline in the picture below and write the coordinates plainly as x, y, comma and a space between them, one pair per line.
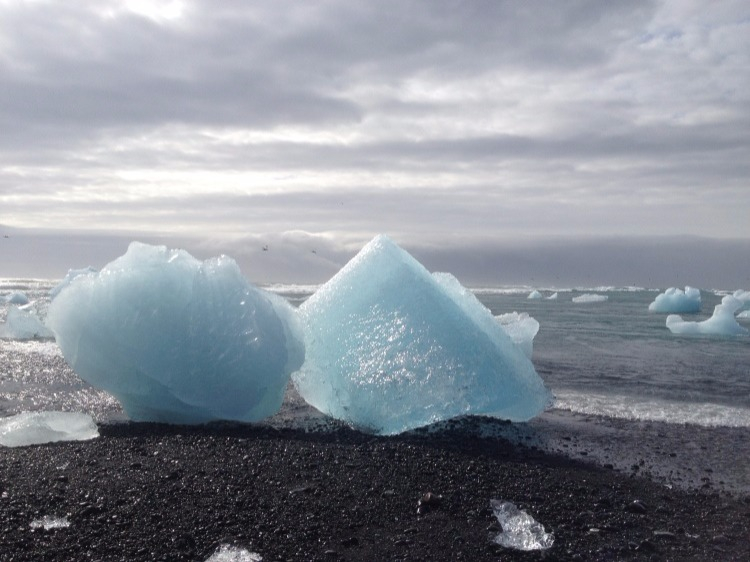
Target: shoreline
157, 492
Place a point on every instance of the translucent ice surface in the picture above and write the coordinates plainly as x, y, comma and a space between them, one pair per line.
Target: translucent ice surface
722, 323
33, 428
72, 274
677, 300
391, 347
521, 328
178, 340
520, 530
534, 295
228, 553
590, 298
23, 324
49, 522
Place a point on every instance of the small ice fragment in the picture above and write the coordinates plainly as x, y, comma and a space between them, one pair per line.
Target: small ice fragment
534, 295
744, 314
722, 323
589, 298
34, 428
227, 553
50, 522
521, 328
23, 325
520, 530
676, 300
552, 297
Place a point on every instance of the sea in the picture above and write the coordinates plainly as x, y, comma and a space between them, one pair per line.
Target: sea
628, 394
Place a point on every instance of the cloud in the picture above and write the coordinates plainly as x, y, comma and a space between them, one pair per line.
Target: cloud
472, 120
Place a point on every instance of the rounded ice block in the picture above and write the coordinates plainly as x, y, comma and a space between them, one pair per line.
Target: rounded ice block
390, 347
178, 340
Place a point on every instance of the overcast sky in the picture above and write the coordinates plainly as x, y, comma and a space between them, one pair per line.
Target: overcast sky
471, 128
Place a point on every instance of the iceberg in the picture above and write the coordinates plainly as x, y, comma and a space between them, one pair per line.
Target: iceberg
534, 295
34, 428
590, 298
520, 530
552, 297
722, 323
675, 300
390, 347
22, 324
521, 328
178, 340
17, 298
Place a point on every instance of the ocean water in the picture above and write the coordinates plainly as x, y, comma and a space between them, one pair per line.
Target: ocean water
612, 358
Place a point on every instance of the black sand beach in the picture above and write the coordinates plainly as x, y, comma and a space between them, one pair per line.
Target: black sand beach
154, 492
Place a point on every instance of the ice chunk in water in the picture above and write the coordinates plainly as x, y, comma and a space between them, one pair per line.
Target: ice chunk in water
722, 323
677, 300
22, 324
227, 553
520, 530
535, 295
744, 314
521, 328
590, 298
178, 340
50, 522
391, 347
33, 428
552, 297
17, 298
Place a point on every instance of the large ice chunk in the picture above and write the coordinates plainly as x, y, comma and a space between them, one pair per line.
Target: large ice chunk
23, 324
178, 340
677, 300
72, 274
33, 428
391, 347
521, 328
722, 323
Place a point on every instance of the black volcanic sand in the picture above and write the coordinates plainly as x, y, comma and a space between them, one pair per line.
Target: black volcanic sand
152, 492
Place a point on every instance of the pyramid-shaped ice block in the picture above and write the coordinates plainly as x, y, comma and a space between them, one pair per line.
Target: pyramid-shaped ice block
390, 347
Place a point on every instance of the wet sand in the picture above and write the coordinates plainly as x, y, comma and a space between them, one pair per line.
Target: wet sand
155, 492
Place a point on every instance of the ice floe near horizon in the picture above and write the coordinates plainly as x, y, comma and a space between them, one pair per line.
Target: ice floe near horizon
589, 298
675, 300
533, 295
34, 428
178, 340
23, 324
721, 323
390, 347
552, 297
521, 328
18, 298
744, 314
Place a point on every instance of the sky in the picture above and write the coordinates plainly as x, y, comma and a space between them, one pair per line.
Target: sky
503, 141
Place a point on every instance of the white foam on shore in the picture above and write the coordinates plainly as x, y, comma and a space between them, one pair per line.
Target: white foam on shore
632, 408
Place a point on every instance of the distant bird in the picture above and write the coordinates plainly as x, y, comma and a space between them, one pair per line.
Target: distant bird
313, 251
265, 248
6, 236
